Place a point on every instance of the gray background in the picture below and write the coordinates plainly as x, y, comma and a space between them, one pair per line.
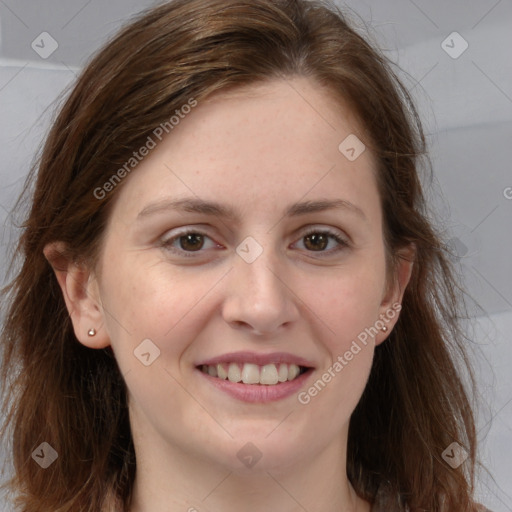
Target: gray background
466, 105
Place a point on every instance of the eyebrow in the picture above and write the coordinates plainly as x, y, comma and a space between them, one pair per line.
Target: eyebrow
196, 205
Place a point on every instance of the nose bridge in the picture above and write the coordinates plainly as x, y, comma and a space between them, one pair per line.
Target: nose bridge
258, 296
261, 277
258, 269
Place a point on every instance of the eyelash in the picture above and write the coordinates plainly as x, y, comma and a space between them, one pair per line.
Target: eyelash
167, 243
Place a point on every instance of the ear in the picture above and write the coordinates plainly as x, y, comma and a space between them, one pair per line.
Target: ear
80, 289
392, 301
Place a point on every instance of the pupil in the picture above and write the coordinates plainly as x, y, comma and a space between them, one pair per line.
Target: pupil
190, 242
319, 241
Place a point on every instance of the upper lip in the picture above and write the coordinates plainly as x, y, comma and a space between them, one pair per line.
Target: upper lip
257, 358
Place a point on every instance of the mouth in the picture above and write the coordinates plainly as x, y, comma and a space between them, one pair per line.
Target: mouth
249, 373
255, 377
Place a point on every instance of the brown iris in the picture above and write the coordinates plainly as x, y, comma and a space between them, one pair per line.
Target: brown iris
191, 242
317, 241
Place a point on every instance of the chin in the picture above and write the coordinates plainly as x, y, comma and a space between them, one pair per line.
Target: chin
251, 454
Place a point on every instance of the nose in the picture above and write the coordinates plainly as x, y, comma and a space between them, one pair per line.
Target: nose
258, 297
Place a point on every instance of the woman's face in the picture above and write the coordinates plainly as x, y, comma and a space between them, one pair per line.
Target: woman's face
222, 248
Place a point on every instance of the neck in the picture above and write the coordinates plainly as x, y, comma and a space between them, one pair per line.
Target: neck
169, 479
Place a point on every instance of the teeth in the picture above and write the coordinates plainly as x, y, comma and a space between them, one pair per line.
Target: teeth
293, 371
221, 373
283, 373
250, 373
269, 374
234, 373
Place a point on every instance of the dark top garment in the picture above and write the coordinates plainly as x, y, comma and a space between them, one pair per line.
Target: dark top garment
385, 501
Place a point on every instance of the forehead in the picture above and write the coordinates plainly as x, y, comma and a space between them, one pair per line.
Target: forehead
267, 144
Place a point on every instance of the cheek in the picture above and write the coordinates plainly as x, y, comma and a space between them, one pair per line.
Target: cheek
144, 299
347, 310
331, 397
347, 301
141, 297
147, 301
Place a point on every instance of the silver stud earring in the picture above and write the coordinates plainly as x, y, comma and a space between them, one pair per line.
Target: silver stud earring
384, 328
91, 332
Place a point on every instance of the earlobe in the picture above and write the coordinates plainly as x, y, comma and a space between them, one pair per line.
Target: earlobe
80, 291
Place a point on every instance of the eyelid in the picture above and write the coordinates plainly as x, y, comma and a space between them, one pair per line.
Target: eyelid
186, 230
341, 239
166, 241
327, 230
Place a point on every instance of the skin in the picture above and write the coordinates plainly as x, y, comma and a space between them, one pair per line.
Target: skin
256, 150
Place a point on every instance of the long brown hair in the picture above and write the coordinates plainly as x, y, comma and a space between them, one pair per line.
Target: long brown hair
58, 391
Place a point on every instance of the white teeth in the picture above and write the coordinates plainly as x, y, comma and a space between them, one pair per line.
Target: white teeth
283, 373
221, 373
293, 371
250, 373
234, 373
269, 374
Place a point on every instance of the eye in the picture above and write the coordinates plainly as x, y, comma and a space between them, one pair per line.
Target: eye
318, 240
191, 241
188, 242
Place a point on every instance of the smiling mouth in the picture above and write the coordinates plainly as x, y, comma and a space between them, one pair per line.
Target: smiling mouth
249, 373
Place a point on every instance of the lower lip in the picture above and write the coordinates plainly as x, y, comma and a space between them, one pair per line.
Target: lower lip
258, 393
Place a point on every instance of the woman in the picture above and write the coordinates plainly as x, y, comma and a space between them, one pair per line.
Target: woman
230, 296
